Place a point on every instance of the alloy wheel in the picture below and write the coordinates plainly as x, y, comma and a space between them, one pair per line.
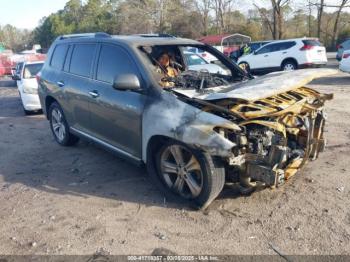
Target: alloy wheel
58, 125
181, 171
289, 67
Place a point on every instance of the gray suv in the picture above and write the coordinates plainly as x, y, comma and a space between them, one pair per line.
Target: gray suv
194, 130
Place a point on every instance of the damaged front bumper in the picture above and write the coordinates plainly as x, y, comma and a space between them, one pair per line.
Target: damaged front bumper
281, 133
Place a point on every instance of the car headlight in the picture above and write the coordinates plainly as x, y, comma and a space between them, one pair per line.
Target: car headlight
30, 90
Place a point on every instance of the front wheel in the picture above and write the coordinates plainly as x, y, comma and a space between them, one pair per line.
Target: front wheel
245, 66
59, 126
189, 174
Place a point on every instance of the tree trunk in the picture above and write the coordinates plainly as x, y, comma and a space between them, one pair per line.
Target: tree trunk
319, 18
336, 23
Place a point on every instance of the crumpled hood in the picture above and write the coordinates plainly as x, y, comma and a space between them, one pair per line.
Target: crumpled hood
261, 87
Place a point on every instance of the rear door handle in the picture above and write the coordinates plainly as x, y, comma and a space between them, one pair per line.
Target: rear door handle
94, 94
60, 83
266, 55
284, 53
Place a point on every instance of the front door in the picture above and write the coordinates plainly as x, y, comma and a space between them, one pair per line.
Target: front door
116, 116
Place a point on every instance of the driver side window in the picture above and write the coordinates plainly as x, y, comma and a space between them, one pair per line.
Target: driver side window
113, 61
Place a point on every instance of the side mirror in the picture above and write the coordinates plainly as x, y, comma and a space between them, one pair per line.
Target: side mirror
127, 82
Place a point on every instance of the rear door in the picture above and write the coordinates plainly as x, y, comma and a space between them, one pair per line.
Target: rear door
281, 51
76, 79
116, 115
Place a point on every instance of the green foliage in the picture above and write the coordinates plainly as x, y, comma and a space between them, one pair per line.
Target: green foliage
185, 18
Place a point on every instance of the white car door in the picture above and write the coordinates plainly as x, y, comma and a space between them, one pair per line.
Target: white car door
259, 59
280, 51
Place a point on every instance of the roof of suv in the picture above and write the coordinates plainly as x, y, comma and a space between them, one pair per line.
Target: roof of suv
145, 39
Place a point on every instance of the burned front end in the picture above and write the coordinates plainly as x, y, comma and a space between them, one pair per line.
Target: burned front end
280, 133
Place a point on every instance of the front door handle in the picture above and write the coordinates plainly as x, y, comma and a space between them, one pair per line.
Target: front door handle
284, 53
60, 83
266, 55
94, 94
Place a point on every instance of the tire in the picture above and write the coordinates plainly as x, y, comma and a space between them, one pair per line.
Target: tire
289, 65
196, 182
245, 66
26, 112
59, 126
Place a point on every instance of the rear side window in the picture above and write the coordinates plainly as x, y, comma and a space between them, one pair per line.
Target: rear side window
82, 58
285, 46
114, 61
276, 47
59, 54
311, 42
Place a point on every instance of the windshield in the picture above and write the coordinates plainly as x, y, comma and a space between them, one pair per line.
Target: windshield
193, 59
174, 66
31, 70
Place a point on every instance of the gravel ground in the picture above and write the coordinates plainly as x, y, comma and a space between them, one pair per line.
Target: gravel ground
83, 200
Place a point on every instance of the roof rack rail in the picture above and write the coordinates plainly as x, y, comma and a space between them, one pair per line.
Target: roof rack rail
156, 35
97, 35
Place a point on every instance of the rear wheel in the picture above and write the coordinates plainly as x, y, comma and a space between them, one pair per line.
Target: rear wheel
59, 126
187, 174
289, 65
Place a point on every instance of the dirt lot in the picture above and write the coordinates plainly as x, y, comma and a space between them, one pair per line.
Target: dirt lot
80, 200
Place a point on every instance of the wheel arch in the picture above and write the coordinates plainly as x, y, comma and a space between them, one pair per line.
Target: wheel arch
154, 144
48, 102
290, 59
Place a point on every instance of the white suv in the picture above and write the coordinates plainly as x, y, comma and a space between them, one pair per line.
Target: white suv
288, 54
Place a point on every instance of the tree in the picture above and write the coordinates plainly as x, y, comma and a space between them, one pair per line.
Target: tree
278, 11
336, 22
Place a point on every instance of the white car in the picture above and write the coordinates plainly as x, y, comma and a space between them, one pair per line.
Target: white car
205, 55
197, 63
28, 85
345, 62
288, 54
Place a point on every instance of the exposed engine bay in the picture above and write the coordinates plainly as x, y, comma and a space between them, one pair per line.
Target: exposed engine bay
279, 135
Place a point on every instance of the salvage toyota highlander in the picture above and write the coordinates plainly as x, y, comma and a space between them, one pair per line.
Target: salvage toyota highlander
194, 130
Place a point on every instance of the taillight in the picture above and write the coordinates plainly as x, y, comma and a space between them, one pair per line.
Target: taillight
307, 47
204, 55
347, 55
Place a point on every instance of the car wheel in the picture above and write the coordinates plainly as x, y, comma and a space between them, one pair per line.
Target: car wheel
27, 112
188, 175
59, 126
244, 66
289, 66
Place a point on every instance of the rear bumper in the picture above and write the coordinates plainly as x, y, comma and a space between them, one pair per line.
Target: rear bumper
312, 65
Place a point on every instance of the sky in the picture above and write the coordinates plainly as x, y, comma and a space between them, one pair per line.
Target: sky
27, 13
